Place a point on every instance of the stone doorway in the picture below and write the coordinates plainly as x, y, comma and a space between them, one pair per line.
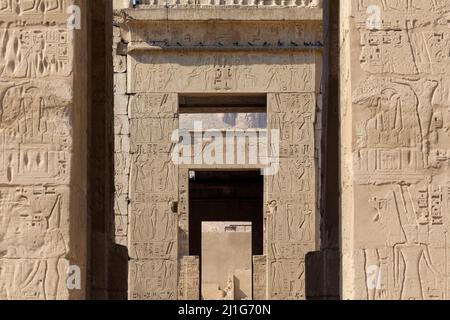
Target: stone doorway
217, 199
270, 84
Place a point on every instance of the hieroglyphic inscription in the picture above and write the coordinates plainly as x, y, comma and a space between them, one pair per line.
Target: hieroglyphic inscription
399, 151
221, 73
34, 242
259, 277
189, 278
153, 211
290, 195
152, 80
36, 97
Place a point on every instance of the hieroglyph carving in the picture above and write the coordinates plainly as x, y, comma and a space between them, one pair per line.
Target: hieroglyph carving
32, 52
36, 62
253, 72
153, 279
259, 277
35, 132
225, 34
400, 152
156, 233
290, 195
153, 212
33, 242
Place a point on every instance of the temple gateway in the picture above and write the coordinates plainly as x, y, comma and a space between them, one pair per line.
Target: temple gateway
225, 149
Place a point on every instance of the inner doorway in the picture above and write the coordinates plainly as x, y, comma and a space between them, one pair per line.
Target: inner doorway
234, 200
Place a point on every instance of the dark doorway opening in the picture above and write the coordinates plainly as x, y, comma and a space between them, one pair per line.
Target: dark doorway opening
226, 196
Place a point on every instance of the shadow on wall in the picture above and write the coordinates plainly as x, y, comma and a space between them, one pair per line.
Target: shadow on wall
108, 262
322, 268
322, 275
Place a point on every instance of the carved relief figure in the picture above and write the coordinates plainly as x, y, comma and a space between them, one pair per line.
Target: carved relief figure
424, 90
412, 252
305, 226
36, 53
33, 243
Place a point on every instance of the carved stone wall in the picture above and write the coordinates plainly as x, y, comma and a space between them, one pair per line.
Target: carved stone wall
259, 277
42, 178
189, 278
291, 195
155, 61
153, 228
396, 147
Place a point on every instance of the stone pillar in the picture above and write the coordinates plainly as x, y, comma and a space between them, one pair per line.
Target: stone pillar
121, 139
183, 210
153, 228
43, 101
259, 278
189, 278
290, 193
395, 149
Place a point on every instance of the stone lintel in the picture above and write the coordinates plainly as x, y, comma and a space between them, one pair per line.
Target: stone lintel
226, 13
143, 46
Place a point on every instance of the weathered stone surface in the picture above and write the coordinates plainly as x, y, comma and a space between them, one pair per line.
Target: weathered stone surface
219, 72
218, 3
395, 146
120, 64
120, 83
290, 195
259, 278
38, 114
121, 104
395, 175
164, 61
189, 278
152, 279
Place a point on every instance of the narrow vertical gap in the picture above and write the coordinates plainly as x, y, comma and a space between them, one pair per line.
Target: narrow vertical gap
105, 265
323, 267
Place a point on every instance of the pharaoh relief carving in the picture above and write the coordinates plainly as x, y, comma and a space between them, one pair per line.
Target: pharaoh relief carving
35, 52
33, 242
406, 258
400, 143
